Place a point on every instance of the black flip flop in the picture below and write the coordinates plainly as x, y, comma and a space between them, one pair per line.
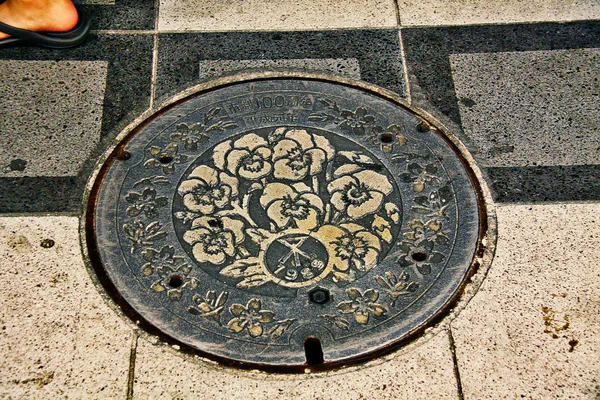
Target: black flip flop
52, 40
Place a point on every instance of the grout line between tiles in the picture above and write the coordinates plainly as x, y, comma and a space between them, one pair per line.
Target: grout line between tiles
131, 374
455, 362
397, 6
404, 66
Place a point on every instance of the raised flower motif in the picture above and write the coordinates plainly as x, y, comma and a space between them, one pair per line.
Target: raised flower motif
351, 245
171, 270
213, 240
298, 154
419, 256
165, 158
207, 189
357, 192
247, 157
294, 205
250, 317
355, 121
146, 203
362, 305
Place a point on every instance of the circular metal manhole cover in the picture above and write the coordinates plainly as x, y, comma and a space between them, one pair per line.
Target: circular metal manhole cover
285, 222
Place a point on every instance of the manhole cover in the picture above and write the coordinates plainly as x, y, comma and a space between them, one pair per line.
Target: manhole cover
285, 222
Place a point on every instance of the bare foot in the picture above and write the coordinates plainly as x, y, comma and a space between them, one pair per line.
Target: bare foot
39, 15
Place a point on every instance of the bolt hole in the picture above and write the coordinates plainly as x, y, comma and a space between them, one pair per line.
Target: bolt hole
313, 351
419, 256
47, 243
423, 127
214, 223
386, 138
123, 155
165, 158
175, 281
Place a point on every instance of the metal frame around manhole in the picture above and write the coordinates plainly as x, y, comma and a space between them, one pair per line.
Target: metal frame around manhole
119, 153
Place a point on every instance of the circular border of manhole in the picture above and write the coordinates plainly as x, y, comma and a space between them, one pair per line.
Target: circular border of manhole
467, 288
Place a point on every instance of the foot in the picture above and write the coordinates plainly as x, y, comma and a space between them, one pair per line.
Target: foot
39, 15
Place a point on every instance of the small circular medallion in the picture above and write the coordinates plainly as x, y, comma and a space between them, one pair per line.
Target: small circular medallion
258, 220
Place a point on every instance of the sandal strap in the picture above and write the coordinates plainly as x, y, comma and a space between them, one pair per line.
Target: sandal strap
22, 33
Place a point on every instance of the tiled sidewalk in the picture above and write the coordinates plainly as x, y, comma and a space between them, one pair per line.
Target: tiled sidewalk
518, 82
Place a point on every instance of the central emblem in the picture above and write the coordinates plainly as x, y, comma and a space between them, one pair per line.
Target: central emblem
287, 206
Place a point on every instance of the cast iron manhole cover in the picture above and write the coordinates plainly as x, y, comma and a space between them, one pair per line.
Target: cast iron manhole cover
285, 222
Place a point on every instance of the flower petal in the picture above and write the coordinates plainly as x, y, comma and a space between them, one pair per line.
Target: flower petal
276, 191
236, 309
236, 325
308, 223
253, 304
376, 309
371, 295
220, 152
361, 317
207, 174
190, 202
195, 235
316, 158
189, 185
266, 316
230, 181
368, 207
234, 159
374, 180
255, 329
346, 169
250, 142
322, 143
353, 293
283, 148
314, 201
234, 226
337, 199
346, 307
303, 138
342, 183
284, 171
370, 239
275, 213
253, 175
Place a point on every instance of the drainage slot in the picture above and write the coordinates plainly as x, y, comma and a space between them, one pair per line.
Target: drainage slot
313, 351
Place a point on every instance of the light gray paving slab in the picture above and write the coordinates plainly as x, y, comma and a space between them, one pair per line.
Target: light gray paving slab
530, 108
348, 67
425, 372
533, 329
466, 12
58, 338
50, 115
286, 15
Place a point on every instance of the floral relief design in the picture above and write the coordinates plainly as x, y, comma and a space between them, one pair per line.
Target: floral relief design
298, 155
171, 270
141, 235
209, 306
267, 195
207, 189
362, 305
165, 158
213, 240
419, 255
396, 286
250, 317
295, 205
147, 203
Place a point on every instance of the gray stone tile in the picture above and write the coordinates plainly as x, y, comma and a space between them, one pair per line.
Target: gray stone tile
424, 372
50, 116
533, 329
58, 337
348, 67
471, 12
286, 15
530, 108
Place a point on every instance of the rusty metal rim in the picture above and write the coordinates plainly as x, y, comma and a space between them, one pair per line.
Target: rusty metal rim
482, 258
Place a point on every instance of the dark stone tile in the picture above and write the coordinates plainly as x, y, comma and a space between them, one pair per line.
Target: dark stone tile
428, 50
377, 51
124, 14
533, 184
127, 94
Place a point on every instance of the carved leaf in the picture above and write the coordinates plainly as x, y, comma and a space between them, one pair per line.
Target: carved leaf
280, 328
357, 157
258, 235
243, 268
253, 281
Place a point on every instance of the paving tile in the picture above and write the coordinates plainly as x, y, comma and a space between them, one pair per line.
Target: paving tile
428, 52
425, 372
58, 337
348, 67
72, 92
533, 329
377, 53
120, 14
128, 63
466, 12
286, 15
530, 108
